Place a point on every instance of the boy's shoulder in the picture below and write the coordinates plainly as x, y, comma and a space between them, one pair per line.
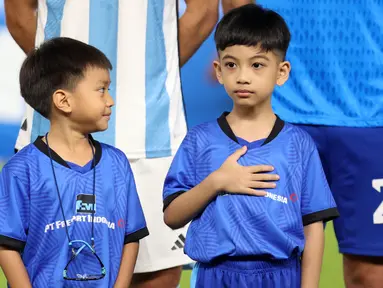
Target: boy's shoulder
23, 166
300, 137
112, 151
203, 130
200, 135
23, 159
115, 155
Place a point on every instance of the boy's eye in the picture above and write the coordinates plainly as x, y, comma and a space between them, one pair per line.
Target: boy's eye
258, 65
103, 90
230, 65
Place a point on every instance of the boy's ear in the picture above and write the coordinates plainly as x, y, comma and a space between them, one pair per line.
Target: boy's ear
62, 101
218, 71
283, 72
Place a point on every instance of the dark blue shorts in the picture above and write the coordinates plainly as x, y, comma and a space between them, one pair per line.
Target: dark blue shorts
353, 162
248, 274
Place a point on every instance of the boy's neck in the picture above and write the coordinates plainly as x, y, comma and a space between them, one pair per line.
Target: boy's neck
69, 144
253, 123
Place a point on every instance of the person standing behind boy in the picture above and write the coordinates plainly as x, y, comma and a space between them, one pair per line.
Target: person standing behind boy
70, 213
237, 237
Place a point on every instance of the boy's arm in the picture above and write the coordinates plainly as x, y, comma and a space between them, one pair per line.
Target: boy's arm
21, 21
317, 207
312, 255
128, 261
195, 26
186, 206
14, 269
230, 177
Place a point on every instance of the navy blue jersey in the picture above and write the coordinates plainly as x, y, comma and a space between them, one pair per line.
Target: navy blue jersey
31, 220
336, 55
240, 225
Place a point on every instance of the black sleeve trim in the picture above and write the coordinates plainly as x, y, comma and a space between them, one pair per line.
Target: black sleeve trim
11, 243
324, 215
170, 199
136, 236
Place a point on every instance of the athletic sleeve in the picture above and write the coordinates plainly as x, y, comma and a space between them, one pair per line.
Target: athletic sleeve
135, 228
181, 174
14, 211
317, 203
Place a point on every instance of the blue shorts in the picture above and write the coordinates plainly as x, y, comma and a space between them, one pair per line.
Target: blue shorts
248, 274
353, 162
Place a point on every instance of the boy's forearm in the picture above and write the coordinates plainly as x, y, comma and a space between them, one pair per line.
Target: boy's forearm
21, 21
128, 261
14, 269
189, 204
312, 255
195, 25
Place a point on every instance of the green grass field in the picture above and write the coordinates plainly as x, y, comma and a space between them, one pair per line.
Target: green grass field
331, 271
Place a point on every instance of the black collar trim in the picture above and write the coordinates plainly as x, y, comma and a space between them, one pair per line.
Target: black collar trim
224, 125
42, 146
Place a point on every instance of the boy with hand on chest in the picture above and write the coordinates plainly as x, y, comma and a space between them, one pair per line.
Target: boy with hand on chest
239, 236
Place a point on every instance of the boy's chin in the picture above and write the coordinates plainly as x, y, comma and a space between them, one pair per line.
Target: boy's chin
99, 128
102, 128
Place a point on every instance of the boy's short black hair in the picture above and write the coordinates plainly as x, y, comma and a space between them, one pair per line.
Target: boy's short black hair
252, 25
59, 63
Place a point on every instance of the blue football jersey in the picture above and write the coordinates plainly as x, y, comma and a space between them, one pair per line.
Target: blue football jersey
31, 220
240, 225
336, 55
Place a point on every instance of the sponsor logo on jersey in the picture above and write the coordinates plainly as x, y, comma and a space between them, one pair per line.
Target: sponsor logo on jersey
276, 197
86, 203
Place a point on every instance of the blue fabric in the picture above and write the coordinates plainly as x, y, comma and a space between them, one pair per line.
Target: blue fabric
103, 26
336, 54
81, 169
352, 159
30, 215
249, 273
241, 225
157, 141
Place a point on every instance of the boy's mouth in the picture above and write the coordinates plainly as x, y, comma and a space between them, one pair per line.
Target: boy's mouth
243, 93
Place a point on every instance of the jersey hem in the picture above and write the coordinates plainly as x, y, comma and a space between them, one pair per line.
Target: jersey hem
171, 198
325, 121
377, 252
12, 243
323, 215
164, 263
136, 236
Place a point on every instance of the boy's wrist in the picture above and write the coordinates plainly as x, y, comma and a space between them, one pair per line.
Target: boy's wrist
216, 181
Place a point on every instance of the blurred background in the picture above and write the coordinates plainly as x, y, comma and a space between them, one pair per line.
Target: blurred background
11, 104
204, 101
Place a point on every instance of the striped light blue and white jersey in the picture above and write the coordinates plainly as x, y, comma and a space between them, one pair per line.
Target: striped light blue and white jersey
140, 40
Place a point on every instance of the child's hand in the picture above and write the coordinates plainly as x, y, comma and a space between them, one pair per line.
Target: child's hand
231, 177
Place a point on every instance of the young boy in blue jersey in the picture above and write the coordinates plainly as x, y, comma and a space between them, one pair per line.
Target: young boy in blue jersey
239, 236
69, 211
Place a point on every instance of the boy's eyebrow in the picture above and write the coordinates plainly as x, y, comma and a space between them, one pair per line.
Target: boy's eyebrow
105, 82
228, 56
260, 56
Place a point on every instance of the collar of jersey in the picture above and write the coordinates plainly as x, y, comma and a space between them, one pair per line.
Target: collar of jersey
42, 146
225, 127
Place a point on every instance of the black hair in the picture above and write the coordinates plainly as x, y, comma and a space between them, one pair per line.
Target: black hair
59, 63
252, 25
